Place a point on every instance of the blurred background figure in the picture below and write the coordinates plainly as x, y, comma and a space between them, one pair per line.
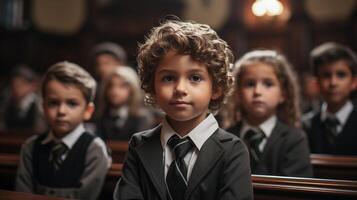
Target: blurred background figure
310, 93
121, 111
106, 57
19, 106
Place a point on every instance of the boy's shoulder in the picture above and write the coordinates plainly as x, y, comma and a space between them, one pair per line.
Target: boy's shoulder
141, 137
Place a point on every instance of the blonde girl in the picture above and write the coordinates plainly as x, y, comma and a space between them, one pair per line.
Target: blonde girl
121, 110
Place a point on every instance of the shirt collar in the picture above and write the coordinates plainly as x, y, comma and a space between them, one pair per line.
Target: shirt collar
341, 115
198, 135
68, 139
267, 126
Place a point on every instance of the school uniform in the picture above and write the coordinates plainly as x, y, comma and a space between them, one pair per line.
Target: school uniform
346, 135
118, 124
217, 166
285, 150
81, 175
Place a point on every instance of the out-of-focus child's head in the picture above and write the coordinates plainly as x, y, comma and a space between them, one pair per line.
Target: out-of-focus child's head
287, 106
122, 87
106, 57
23, 82
335, 67
68, 92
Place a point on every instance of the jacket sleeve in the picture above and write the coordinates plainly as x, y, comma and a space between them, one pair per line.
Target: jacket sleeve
24, 177
96, 167
236, 177
128, 185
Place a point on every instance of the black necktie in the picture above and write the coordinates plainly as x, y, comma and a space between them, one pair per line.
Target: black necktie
331, 124
176, 178
253, 140
57, 152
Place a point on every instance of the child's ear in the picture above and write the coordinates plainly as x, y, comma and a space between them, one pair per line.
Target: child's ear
354, 83
217, 92
89, 111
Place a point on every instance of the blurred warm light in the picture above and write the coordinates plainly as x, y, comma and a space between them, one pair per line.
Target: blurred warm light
267, 7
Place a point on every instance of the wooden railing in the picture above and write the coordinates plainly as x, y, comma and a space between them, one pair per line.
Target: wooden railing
325, 166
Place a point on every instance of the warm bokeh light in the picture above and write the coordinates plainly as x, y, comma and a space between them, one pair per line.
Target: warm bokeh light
267, 7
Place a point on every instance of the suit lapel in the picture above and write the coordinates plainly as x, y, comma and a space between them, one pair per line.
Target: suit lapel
207, 158
276, 133
151, 155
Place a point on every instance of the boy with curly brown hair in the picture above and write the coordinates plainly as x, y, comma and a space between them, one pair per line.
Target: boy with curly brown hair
184, 69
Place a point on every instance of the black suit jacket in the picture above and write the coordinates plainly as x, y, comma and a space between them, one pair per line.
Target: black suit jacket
221, 171
346, 139
286, 152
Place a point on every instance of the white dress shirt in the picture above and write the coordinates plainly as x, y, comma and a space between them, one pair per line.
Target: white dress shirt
198, 135
341, 115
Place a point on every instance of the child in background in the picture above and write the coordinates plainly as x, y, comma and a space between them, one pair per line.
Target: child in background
121, 109
267, 106
20, 105
184, 69
66, 161
332, 129
106, 57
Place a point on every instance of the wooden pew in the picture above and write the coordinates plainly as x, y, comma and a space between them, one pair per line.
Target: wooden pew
334, 167
265, 187
274, 187
119, 149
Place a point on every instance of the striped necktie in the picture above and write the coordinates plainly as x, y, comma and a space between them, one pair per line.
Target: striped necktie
253, 139
331, 123
56, 156
176, 178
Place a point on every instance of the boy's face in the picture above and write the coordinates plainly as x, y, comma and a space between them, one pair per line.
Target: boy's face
183, 88
259, 92
104, 64
65, 107
336, 83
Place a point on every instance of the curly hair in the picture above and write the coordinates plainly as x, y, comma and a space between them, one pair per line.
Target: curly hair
199, 41
289, 110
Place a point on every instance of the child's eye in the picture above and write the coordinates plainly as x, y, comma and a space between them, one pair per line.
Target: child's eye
72, 103
195, 78
167, 78
52, 103
249, 83
268, 83
341, 74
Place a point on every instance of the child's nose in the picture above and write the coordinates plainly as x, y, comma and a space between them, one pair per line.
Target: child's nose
258, 89
62, 109
180, 86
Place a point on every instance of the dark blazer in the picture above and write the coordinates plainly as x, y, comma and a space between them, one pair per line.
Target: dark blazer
221, 171
286, 152
346, 139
